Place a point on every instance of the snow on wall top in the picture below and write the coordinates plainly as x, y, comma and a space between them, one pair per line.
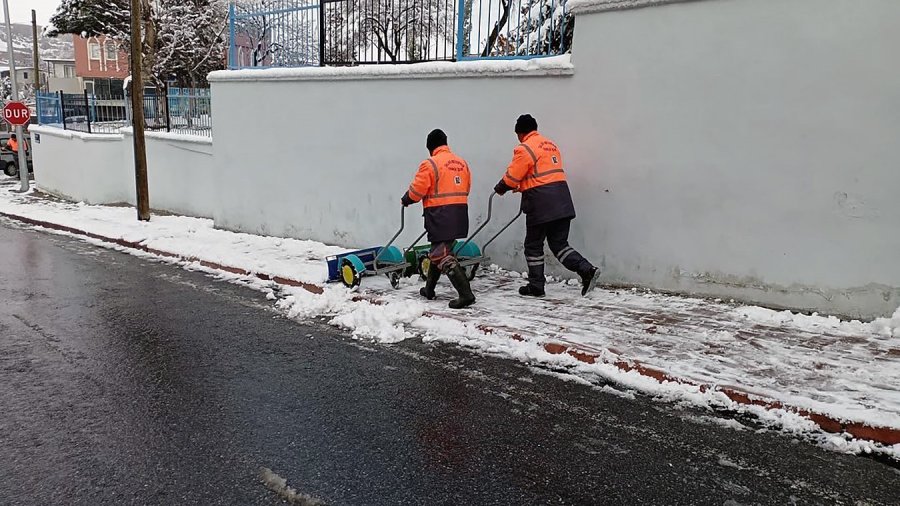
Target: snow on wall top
589, 6
170, 136
553, 66
69, 134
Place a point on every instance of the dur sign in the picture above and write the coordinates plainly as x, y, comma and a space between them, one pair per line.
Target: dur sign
16, 113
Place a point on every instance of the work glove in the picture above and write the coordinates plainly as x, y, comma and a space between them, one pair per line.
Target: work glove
501, 188
405, 200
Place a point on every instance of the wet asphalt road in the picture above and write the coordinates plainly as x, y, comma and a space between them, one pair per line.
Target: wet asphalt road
124, 381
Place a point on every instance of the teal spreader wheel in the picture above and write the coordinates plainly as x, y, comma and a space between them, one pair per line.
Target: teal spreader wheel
352, 269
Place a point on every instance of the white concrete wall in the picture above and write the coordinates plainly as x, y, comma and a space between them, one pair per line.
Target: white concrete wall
334, 168
80, 166
180, 173
750, 148
99, 169
730, 147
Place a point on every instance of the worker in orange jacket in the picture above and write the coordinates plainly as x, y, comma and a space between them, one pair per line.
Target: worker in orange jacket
537, 172
12, 144
442, 184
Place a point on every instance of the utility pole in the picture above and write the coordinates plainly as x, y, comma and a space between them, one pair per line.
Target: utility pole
137, 114
37, 54
23, 162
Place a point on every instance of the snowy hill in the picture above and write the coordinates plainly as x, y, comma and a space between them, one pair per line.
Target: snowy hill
50, 47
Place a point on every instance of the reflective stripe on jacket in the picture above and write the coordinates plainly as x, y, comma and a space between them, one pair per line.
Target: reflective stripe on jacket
442, 183
536, 162
442, 180
537, 172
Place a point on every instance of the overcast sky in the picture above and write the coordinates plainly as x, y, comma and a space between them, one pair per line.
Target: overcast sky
20, 10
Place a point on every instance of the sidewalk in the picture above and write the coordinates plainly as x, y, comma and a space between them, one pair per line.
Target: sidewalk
805, 374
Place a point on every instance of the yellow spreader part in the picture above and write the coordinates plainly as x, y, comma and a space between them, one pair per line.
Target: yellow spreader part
348, 275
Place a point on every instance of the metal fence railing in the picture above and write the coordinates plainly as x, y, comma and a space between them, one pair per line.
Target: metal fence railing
48, 109
361, 32
513, 29
294, 33
183, 110
189, 110
274, 33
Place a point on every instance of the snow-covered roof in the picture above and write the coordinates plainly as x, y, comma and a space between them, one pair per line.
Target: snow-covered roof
588, 6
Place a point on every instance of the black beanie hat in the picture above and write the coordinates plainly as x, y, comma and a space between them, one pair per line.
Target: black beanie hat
526, 124
436, 139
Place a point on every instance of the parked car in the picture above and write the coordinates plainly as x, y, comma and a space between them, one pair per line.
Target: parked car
7, 157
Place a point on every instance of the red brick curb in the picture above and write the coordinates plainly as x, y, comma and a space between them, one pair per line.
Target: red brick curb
884, 435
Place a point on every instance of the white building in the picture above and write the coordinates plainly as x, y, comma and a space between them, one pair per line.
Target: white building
23, 74
59, 75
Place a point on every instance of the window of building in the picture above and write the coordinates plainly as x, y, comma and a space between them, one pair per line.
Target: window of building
94, 50
69, 71
112, 51
25, 75
109, 88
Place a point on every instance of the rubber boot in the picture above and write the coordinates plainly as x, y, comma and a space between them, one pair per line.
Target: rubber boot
530, 290
589, 280
427, 291
461, 282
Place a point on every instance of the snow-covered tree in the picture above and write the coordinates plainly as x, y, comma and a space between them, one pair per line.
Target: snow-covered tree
467, 26
92, 18
275, 36
516, 27
190, 38
26, 90
182, 39
545, 28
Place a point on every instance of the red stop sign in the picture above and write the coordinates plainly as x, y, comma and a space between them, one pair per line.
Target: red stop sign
16, 113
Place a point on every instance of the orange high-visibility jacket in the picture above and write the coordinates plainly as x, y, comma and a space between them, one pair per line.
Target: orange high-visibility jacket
441, 180
536, 162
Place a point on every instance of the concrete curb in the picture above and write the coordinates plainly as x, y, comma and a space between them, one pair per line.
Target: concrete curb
883, 435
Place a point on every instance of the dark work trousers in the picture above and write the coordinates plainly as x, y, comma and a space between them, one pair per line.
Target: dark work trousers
556, 233
441, 256
15, 156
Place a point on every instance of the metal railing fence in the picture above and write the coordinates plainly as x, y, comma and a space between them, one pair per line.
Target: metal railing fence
296, 33
183, 110
274, 33
359, 32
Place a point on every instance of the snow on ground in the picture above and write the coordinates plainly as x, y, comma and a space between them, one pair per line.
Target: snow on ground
848, 370
191, 237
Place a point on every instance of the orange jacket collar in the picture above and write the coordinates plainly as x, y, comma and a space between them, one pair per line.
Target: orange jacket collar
529, 135
440, 149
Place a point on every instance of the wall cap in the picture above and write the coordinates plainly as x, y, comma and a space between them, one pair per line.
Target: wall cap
169, 136
69, 134
593, 6
551, 66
